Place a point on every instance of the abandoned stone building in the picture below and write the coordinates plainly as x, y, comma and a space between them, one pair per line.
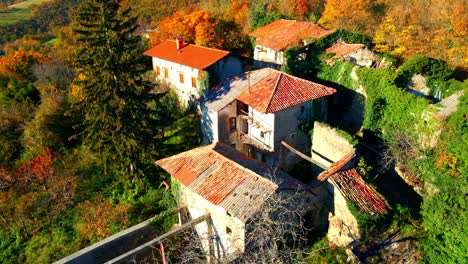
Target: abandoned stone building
357, 54
231, 187
272, 40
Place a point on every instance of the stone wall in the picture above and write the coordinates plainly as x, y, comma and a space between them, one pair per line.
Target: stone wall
328, 145
343, 227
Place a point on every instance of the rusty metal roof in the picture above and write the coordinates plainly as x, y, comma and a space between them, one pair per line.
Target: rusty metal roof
278, 91
283, 34
227, 178
194, 56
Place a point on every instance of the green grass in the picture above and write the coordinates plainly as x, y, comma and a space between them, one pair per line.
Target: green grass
27, 4
18, 12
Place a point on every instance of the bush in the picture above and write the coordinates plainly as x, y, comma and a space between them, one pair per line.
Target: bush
436, 71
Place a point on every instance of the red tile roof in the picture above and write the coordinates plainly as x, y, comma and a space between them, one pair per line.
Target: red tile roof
227, 178
190, 55
283, 34
278, 91
355, 190
341, 48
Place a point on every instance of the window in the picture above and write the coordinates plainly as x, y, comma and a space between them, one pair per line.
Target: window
166, 73
181, 77
262, 134
194, 82
232, 124
158, 70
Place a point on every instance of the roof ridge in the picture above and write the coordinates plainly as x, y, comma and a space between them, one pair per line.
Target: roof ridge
198, 46
274, 90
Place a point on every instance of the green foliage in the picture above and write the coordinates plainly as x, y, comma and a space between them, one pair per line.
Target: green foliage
118, 124
339, 73
47, 247
367, 222
436, 71
260, 16
322, 252
19, 91
444, 207
10, 246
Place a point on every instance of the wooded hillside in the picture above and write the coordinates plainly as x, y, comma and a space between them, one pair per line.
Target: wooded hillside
81, 127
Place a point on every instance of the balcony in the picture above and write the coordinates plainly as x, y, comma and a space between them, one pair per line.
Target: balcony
251, 140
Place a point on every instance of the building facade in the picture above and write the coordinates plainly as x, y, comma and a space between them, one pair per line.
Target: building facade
191, 69
272, 40
221, 181
256, 111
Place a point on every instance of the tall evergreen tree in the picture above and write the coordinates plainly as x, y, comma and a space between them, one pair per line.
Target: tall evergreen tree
118, 125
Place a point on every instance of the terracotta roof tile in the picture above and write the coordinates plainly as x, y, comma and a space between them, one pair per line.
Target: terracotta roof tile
278, 91
341, 48
354, 189
197, 57
227, 178
283, 34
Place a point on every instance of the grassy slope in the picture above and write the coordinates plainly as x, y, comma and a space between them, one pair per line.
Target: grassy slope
18, 12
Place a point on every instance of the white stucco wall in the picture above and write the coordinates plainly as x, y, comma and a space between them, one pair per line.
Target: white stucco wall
267, 122
227, 243
184, 90
209, 125
265, 54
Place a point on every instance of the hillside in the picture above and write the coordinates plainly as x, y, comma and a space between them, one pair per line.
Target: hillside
77, 159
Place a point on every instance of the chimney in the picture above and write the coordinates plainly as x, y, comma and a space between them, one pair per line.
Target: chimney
180, 43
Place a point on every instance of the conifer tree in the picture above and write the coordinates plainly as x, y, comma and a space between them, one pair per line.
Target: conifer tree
118, 125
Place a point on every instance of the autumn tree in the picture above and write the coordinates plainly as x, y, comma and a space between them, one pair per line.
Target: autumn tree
196, 27
359, 15
118, 125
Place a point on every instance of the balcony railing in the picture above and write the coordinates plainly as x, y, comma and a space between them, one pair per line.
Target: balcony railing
251, 140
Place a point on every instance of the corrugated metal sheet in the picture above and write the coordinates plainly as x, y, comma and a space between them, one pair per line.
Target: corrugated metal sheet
227, 178
197, 57
278, 91
283, 34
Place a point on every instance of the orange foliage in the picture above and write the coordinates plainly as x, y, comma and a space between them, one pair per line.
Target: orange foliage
239, 13
99, 217
350, 15
407, 29
19, 64
302, 7
195, 27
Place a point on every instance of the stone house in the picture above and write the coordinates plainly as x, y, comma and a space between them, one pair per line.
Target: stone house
231, 187
357, 54
272, 40
254, 112
189, 68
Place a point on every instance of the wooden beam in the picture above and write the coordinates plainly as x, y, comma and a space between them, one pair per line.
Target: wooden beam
300, 154
127, 256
